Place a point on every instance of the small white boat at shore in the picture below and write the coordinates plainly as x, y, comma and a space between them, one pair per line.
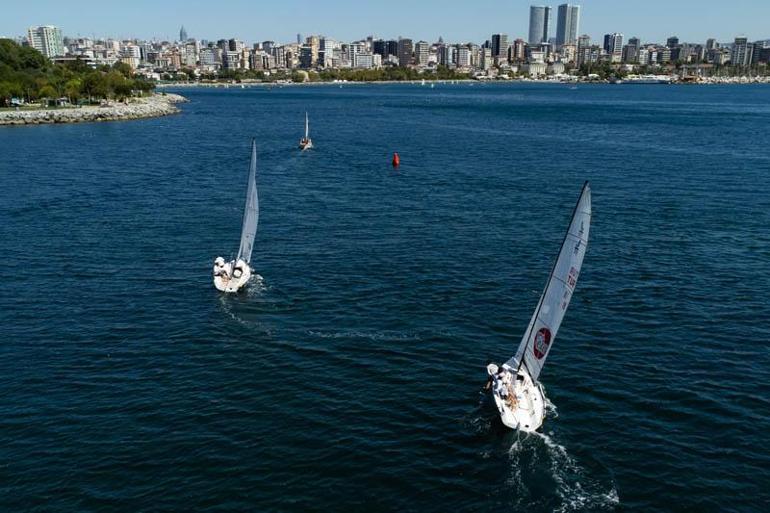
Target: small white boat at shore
306, 143
233, 275
518, 394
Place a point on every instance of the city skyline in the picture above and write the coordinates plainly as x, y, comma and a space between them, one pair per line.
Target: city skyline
343, 20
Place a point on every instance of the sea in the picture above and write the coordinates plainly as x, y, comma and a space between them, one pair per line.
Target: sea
347, 376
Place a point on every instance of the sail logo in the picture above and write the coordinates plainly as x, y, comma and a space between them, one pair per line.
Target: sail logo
572, 278
542, 341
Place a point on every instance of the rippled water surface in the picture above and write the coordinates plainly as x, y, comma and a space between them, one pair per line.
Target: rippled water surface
347, 379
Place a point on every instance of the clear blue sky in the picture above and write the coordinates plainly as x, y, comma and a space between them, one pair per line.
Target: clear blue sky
456, 21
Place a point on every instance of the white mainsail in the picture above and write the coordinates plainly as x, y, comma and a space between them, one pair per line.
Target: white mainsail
538, 339
251, 212
307, 127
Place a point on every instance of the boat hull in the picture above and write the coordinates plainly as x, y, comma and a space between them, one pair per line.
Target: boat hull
305, 145
528, 411
231, 284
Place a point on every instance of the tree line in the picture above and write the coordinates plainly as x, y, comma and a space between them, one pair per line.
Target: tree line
26, 74
388, 73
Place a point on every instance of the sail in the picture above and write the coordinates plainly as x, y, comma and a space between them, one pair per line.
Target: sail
307, 127
251, 212
538, 339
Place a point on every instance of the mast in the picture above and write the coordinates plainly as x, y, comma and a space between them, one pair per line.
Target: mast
307, 127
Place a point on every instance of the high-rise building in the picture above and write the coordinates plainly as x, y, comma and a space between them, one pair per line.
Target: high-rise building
463, 56
421, 53
567, 24
314, 42
405, 48
743, 51
499, 45
391, 48
518, 51
47, 40
182, 34
613, 45
672, 42
379, 48
539, 21
711, 44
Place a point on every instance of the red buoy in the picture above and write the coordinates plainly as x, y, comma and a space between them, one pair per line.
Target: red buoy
396, 160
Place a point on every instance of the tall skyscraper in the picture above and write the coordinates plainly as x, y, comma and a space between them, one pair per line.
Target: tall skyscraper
182, 34
672, 42
567, 24
539, 22
47, 40
499, 45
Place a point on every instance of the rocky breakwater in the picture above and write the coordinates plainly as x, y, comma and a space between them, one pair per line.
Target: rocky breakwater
137, 108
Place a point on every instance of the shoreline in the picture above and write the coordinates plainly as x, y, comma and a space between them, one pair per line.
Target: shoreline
153, 106
249, 84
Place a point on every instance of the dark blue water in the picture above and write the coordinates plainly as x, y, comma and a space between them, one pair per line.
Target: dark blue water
347, 380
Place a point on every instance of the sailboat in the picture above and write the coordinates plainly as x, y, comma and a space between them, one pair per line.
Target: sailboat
231, 276
305, 143
518, 395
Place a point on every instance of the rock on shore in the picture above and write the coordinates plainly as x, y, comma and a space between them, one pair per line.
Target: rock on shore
150, 107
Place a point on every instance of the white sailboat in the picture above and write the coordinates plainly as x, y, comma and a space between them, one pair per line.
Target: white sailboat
518, 394
231, 276
305, 143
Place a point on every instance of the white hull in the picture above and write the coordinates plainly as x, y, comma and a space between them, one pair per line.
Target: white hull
527, 411
305, 145
230, 283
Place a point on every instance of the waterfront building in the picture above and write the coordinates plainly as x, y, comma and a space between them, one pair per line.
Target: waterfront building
47, 39
314, 43
446, 55
643, 57
190, 52
613, 45
539, 21
518, 51
231, 59
379, 48
567, 24
499, 45
742, 52
664, 55
568, 53
463, 56
364, 60
305, 57
486, 59
405, 49
421, 53
208, 59
631, 51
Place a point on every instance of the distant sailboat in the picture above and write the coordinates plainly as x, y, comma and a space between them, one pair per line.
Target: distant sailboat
518, 394
305, 143
231, 276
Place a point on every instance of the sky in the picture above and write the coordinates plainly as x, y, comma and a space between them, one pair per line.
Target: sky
348, 20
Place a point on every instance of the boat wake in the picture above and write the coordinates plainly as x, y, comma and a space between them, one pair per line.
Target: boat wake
255, 289
570, 486
380, 336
